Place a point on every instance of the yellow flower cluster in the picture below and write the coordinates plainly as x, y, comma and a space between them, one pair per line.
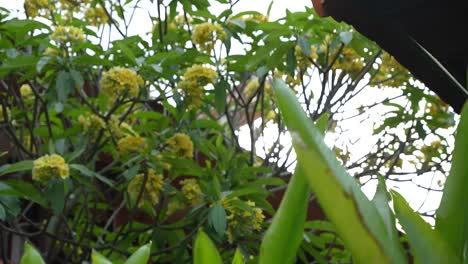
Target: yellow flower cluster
131, 145
193, 82
270, 116
191, 191
304, 61
391, 73
258, 18
240, 221
251, 87
33, 7
120, 81
153, 185
92, 125
65, 34
96, 16
26, 91
348, 61
48, 167
182, 145
206, 35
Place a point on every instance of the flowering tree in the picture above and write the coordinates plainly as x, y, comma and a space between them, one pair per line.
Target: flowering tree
110, 140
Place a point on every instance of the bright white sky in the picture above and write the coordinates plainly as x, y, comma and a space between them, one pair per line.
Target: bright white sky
416, 196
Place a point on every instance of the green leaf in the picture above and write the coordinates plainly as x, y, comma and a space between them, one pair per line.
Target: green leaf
221, 95
55, 193
141, 256
42, 62
87, 172
452, 215
288, 222
22, 189
204, 251
291, 62
217, 219
381, 200
31, 255
77, 78
25, 165
238, 257
428, 244
97, 258
304, 44
63, 85
340, 196
2, 213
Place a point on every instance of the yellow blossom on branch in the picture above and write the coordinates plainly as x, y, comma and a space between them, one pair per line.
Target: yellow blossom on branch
120, 81
242, 222
206, 35
65, 34
182, 145
153, 185
33, 7
48, 167
194, 81
26, 91
191, 191
131, 145
96, 16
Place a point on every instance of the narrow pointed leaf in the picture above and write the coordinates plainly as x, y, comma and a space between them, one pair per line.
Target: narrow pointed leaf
238, 257
428, 245
204, 250
140, 256
288, 222
31, 255
98, 258
452, 215
381, 199
356, 219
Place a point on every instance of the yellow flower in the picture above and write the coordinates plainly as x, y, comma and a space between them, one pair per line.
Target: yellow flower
206, 35
26, 91
48, 167
193, 82
191, 191
131, 145
120, 81
153, 185
304, 61
34, 6
251, 87
242, 222
270, 116
91, 124
349, 61
182, 145
64, 34
96, 16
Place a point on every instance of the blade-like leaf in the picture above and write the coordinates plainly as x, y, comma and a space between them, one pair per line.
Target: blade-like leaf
452, 215
22, 189
31, 255
204, 251
288, 222
429, 246
238, 257
97, 258
140, 256
24, 165
356, 219
380, 200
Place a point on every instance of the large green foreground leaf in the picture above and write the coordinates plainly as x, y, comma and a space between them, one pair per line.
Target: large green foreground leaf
204, 250
452, 215
428, 245
288, 222
357, 220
